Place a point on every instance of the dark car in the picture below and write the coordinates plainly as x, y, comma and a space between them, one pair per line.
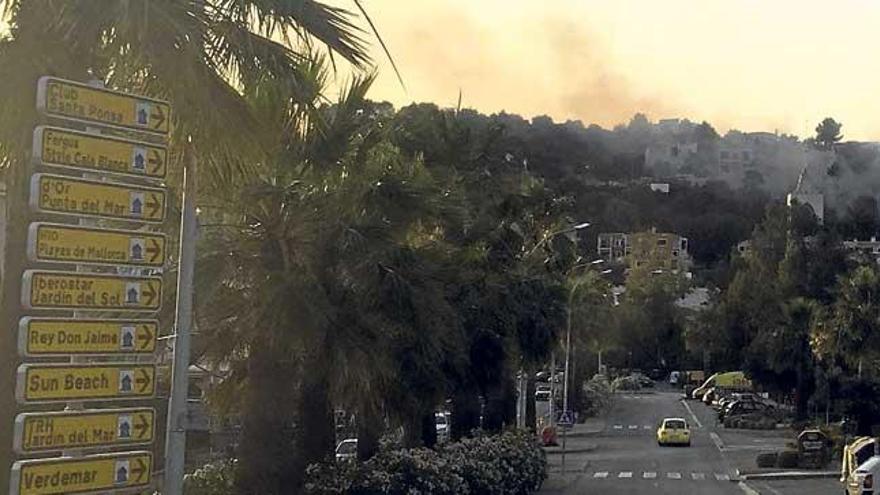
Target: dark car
743, 407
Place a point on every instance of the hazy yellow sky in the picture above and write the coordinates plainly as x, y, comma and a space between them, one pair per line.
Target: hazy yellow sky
747, 64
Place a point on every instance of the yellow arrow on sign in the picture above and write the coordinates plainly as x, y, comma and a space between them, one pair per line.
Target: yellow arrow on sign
90, 152
76, 101
78, 475
65, 336
48, 242
56, 431
85, 382
86, 198
90, 291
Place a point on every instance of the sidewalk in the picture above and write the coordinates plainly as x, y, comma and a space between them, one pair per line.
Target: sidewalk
741, 448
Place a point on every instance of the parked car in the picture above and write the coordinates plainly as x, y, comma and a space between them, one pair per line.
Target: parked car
347, 449
674, 431
709, 396
862, 480
738, 407
443, 424
542, 396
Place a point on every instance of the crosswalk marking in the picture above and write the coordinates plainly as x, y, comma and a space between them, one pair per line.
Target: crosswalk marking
633, 427
646, 427
618, 427
653, 475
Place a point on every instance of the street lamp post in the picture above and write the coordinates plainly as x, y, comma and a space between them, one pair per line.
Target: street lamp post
568, 332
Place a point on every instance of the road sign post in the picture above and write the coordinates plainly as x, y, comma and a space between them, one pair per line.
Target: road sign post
110, 268
88, 152
71, 100
42, 289
61, 195
80, 475
45, 383
64, 243
41, 337
56, 431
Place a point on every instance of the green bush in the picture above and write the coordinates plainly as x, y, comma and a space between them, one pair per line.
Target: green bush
595, 397
511, 463
211, 479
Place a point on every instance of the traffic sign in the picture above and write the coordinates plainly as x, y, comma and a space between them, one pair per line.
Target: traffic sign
95, 153
84, 382
64, 243
43, 289
55, 431
66, 336
80, 475
77, 101
81, 197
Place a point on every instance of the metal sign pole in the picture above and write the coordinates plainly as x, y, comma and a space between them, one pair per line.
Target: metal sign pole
175, 433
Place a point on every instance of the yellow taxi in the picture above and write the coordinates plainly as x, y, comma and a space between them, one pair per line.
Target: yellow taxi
674, 431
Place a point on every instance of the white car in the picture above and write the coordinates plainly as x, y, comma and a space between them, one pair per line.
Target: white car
347, 449
442, 422
863, 480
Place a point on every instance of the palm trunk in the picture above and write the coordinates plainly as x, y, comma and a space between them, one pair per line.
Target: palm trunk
501, 405
531, 413
465, 413
267, 438
369, 431
316, 431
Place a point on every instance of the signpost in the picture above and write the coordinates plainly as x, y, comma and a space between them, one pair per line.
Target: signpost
69, 336
39, 383
68, 372
58, 431
80, 102
90, 291
62, 243
87, 198
90, 153
79, 475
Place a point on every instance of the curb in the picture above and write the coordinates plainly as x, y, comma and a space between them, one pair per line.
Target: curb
579, 450
791, 475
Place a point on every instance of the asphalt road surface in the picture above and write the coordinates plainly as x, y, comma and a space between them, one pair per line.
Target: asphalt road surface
627, 459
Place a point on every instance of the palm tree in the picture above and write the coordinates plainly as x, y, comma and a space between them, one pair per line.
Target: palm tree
200, 56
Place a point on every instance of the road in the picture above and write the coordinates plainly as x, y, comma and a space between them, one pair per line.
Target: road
627, 460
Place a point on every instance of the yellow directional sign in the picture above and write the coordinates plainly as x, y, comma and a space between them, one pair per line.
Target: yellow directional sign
90, 152
84, 382
66, 336
77, 101
64, 243
90, 291
80, 197
55, 431
80, 475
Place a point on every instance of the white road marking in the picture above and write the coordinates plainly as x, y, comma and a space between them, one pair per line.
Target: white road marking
747, 489
717, 441
618, 427
625, 474
722, 477
633, 427
673, 476
646, 427
698, 476
600, 474
649, 475
693, 416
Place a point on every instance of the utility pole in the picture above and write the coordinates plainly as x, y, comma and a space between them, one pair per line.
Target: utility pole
175, 433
